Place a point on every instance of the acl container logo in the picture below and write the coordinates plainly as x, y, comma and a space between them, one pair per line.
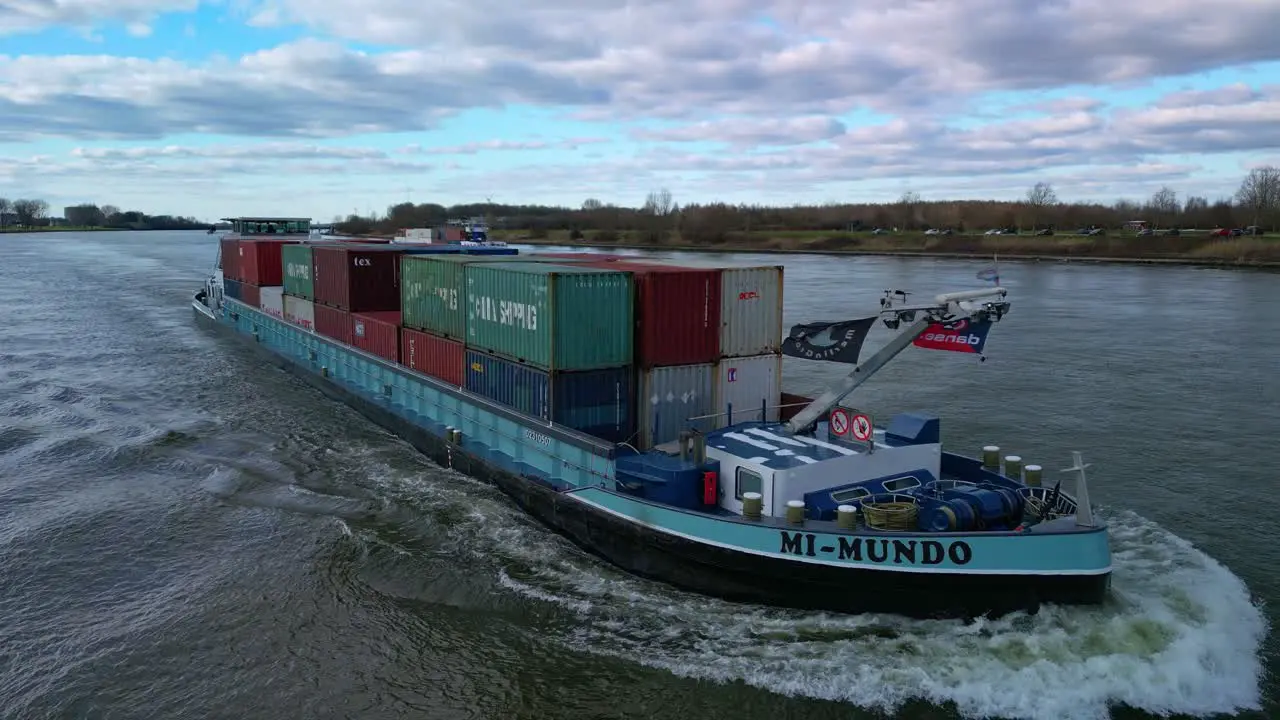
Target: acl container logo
960, 336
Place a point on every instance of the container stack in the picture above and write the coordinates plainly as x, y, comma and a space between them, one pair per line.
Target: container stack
553, 341
677, 344
252, 272
748, 373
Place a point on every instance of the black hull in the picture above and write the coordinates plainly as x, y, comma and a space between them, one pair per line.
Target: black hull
713, 571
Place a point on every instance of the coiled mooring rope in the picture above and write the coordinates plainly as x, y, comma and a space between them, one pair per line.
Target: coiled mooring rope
891, 515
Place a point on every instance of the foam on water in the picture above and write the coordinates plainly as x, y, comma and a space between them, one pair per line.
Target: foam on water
1181, 635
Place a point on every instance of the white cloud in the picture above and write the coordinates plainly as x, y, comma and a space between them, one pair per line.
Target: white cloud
28, 15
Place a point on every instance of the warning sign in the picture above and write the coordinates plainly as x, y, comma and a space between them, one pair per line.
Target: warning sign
861, 427
839, 422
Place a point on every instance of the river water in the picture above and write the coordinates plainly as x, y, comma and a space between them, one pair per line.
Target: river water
188, 533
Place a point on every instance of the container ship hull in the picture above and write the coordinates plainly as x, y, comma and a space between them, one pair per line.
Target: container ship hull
626, 506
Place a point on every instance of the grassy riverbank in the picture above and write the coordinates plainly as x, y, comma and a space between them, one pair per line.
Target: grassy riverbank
1190, 248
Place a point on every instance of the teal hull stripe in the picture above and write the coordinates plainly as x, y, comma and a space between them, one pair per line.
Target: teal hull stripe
1082, 553
553, 453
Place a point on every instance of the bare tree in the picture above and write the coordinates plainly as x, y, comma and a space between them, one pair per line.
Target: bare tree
1259, 193
28, 211
909, 205
109, 210
6, 207
658, 203
592, 204
1163, 206
1040, 198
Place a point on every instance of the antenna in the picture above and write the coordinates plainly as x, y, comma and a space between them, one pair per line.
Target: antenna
1084, 512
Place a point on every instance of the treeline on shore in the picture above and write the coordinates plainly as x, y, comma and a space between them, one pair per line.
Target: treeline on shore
661, 220
28, 213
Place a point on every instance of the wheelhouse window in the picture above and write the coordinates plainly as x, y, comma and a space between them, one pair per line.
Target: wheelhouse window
747, 481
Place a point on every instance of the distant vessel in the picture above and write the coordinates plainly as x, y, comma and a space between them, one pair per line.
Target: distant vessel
637, 409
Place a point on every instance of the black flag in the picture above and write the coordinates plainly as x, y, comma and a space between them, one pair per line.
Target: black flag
834, 342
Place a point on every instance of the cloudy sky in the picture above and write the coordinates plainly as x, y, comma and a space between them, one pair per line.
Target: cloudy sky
324, 107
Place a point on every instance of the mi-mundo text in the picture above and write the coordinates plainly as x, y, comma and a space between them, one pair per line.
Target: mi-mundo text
506, 312
881, 551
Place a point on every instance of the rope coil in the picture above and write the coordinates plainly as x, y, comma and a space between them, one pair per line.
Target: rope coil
894, 513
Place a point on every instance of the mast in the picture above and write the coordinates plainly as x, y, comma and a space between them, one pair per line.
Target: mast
948, 308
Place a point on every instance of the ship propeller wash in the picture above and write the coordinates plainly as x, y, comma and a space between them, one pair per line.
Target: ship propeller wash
635, 406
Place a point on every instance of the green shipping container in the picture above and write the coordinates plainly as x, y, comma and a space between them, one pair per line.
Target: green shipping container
299, 281
554, 317
433, 292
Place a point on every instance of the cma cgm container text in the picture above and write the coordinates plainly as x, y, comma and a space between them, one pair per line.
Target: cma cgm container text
271, 301
677, 312
596, 402
439, 357
554, 317
333, 322
297, 272
377, 333
750, 306
300, 312
260, 261
746, 387
669, 396
433, 291
229, 254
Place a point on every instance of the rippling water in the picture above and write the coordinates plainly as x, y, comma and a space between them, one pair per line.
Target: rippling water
186, 532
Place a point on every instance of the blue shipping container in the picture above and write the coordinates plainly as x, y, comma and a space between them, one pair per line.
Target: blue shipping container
231, 289
596, 402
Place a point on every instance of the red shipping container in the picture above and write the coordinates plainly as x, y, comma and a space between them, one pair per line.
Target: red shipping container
260, 261
580, 256
357, 279
230, 259
439, 357
377, 333
333, 323
250, 294
677, 312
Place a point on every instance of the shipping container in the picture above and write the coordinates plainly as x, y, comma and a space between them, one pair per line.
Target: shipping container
433, 291
555, 317
229, 256
669, 396
297, 272
581, 256
260, 261
596, 402
377, 333
747, 385
333, 323
233, 289
432, 355
250, 294
300, 312
677, 312
356, 279
271, 301
750, 306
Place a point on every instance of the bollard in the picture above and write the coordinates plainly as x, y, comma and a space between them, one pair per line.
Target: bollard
847, 517
752, 505
991, 457
324, 371
448, 434
1032, 475
457, 436
1013, 467
795, 511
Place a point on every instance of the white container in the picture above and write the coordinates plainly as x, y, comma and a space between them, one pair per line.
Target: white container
744, 385
750, 306
300, 312
271, 301
670, 395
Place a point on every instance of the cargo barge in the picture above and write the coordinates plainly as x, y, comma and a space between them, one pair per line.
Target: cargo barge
637, 409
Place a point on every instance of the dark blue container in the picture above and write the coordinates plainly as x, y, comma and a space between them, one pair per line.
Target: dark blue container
232, 289
596, 402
